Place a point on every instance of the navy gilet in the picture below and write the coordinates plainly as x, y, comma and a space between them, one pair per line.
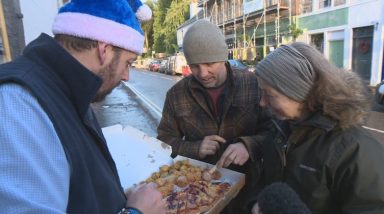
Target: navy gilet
65, 88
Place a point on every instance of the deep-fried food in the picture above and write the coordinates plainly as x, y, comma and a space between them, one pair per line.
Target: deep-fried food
187, 188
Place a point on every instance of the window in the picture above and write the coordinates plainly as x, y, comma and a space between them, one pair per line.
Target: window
362, 51
324, 3
317, 41
306, 6
338, 2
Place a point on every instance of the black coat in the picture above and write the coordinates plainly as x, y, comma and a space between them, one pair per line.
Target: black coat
332, 170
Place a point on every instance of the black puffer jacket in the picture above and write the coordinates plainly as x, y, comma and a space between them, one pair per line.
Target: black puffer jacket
332, 170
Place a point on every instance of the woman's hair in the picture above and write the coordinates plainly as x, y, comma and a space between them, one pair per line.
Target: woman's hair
337, 93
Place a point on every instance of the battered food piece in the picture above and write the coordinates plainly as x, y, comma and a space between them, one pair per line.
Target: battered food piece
216, 175
207, 176
182, 181
189, 189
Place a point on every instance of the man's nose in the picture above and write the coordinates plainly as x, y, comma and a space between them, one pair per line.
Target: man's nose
203, 71
263, 101
125, 75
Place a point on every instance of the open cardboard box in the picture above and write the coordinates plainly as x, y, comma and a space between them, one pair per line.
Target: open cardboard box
138, 155
236, 179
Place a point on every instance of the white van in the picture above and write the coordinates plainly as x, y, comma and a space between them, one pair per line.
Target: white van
175, 64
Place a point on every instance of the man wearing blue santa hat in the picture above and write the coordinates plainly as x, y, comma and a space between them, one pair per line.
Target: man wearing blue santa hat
53, 157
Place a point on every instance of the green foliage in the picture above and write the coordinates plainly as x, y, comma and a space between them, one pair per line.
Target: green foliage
169, 15
295, 31
159, 45
148, 30
159, 14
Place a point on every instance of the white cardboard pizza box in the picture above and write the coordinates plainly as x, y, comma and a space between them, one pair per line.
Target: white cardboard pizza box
138, 155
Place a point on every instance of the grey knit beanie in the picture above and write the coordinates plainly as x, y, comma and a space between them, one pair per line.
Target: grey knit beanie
288, 71
203, 43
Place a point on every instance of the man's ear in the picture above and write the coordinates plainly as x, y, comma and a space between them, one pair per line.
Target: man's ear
104, 52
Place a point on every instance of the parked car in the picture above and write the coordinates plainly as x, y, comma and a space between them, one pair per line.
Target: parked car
186, 70
176, 63
237, 65
154, 65
142, 63
379, 96
134, 64
163, 66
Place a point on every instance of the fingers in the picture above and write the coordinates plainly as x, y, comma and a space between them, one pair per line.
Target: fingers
146, 198
146, 187
234, 154
210, 145
223, 162
228, 158
207, 150
216, 138
152, 185
133, 189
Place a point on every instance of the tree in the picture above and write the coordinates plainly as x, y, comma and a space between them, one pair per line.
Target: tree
148, 30
176, 15
295, 31
159, 14
169, 15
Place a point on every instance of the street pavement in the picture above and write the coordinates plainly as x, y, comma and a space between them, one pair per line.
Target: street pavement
123, 107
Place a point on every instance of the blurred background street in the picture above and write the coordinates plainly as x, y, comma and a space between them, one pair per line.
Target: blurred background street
139, 102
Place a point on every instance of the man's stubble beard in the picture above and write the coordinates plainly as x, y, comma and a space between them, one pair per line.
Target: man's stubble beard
107, 74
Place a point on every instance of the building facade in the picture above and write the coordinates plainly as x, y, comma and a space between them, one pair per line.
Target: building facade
21, 21
348, 32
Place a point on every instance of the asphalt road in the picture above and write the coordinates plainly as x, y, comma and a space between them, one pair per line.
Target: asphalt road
123, 107
375, 123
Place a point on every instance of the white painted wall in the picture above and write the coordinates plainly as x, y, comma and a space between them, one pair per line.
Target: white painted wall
361, 13
193, 9
180, 34
373, 16
38, 16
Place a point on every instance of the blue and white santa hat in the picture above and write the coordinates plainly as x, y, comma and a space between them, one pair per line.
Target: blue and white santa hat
116, 22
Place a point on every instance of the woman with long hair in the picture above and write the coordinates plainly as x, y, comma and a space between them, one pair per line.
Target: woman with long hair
321, 150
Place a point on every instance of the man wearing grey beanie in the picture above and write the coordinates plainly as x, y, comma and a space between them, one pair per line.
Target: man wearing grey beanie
214, 115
